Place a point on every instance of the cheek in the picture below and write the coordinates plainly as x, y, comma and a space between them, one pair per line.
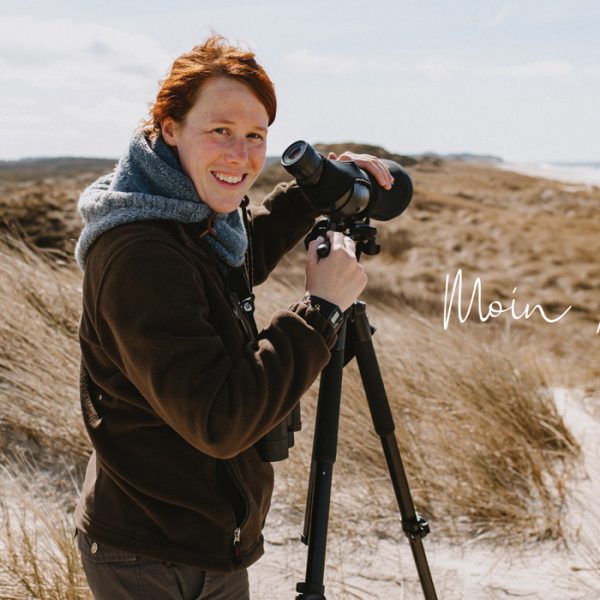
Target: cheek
194, 158
258, 157
186, 157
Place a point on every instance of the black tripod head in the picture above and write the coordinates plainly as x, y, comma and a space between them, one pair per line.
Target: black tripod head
361, 232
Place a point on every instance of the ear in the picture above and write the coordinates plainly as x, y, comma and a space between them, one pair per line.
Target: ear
168, 129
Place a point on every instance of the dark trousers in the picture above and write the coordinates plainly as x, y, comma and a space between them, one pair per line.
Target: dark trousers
116, 575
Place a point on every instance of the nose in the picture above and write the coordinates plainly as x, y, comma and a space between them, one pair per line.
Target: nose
238, 150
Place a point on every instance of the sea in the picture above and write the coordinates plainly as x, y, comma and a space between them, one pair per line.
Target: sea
586, 173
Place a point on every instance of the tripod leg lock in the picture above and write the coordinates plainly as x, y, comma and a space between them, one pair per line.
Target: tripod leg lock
310, 591
417, 528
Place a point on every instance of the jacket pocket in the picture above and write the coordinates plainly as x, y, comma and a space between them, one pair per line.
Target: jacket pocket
230, 482
233, 491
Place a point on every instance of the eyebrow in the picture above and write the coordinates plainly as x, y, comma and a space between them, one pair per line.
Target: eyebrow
229, 122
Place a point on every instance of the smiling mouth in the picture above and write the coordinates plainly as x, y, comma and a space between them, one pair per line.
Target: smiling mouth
231, 180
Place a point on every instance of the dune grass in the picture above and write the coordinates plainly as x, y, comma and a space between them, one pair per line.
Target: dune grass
481, 441
480, 437
39, 352
38, 556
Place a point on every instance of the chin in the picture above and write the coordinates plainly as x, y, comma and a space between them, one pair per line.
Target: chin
225, 207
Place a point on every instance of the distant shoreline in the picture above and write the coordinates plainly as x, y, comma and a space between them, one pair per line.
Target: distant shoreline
587, 173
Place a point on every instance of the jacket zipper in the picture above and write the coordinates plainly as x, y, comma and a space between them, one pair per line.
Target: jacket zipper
237, 531
244, 316
237, 535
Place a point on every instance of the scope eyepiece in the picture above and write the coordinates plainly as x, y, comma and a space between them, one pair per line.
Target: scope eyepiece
302, 161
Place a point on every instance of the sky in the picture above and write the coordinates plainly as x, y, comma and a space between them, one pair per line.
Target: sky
519, 79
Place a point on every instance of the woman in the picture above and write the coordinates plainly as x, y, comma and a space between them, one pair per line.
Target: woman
176, 385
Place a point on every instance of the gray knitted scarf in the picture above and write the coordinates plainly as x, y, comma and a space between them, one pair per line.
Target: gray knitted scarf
148, 183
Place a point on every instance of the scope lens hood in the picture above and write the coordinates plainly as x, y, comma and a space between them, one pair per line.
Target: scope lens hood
387, 204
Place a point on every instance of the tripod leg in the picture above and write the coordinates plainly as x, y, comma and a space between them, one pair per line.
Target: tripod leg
415, 527
323, 458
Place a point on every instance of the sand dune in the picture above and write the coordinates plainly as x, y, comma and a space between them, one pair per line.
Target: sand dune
498, 422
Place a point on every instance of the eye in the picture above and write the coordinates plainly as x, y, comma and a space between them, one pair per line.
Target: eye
256, 136
220, 130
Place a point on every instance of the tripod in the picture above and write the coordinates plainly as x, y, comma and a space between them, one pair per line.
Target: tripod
356, 334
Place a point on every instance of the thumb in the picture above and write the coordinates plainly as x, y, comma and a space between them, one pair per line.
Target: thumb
312, 255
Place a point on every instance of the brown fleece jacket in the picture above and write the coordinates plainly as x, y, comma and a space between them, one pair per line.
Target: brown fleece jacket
173, 399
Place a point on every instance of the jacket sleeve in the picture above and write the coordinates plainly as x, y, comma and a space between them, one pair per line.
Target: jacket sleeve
283, 219
154, 323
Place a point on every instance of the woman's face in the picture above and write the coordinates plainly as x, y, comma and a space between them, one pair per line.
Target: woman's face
221, 142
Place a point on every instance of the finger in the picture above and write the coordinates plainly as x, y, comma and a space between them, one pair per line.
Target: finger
346, 156
350, 246
339, 241
336, 239
357, 157
312, 255
378, 169
371, 164
388, 179
331, 156
381, 172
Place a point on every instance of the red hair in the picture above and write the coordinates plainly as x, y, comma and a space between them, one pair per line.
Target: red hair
215, 57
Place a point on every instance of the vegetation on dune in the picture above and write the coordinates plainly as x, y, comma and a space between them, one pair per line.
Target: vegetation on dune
39, 351
38, 556
477, 428
482, 442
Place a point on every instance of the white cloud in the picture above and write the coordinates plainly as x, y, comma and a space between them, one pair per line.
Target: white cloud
51, 55
503, 14
47, 41
331, 65
593, 72
430, 67
321, 63
536, 69
436, 67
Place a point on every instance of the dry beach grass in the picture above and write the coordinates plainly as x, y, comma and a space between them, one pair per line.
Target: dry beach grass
482, 440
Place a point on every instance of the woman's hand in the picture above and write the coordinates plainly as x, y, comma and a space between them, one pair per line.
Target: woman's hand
369, 163
337, 278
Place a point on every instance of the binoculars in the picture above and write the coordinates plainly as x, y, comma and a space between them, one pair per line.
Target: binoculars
275, 445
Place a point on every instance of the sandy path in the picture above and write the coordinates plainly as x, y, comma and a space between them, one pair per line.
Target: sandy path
478, 570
